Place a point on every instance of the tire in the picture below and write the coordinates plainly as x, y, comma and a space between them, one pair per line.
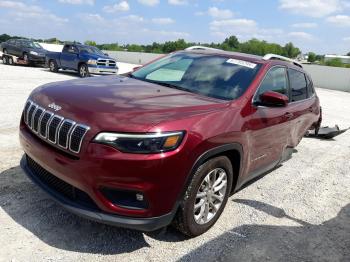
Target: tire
5, 60
193, 221
83, 70
53, 66
26, 59
10, 61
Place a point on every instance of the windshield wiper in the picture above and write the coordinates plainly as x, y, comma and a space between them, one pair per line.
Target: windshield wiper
166, 84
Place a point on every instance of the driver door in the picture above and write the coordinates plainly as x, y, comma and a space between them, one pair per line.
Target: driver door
69, 57
269, 126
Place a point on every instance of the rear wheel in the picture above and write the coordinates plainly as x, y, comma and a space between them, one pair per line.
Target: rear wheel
83, 70
53, 66
5, 60
10, 61
205, 197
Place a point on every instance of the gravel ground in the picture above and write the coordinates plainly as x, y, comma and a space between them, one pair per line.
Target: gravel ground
298, 212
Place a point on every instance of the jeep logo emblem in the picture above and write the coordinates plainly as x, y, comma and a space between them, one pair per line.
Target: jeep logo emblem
54, 106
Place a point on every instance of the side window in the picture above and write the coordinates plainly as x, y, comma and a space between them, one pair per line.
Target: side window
73, 49
298, 85
66, 48
310, 87
275, 80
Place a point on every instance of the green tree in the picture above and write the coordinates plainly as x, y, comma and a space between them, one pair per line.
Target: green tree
291, 51
90, 42
231, 43
311, 57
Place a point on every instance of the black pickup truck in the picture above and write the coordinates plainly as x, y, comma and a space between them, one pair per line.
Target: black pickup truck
84, 59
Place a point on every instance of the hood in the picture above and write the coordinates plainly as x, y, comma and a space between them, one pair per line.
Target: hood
114, 103
96, 56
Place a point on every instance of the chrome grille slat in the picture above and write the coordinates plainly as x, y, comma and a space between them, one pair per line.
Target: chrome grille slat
25, 111
45, 119
31, 111
52, 128
64, 133
76, 137
36, 119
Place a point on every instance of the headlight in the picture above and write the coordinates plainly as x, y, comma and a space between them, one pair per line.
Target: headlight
92, 62
33, 53
142, 143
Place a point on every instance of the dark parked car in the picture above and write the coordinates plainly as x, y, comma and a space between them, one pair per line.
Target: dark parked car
28, 50
84, 59
171, 141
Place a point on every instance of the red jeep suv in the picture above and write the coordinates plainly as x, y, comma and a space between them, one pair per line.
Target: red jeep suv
169, 142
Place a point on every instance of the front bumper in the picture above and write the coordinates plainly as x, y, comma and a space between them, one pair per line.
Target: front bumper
102, 70
143, 224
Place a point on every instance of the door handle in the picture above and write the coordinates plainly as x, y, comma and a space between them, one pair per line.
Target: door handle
288, 115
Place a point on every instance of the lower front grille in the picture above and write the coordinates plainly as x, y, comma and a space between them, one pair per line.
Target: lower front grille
59, 186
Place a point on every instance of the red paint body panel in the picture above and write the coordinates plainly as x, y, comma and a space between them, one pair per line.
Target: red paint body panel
123, 104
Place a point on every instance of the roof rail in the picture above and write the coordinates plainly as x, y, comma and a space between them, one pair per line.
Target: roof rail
283, 58
199, 47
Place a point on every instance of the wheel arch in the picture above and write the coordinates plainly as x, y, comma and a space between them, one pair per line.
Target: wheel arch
233, 151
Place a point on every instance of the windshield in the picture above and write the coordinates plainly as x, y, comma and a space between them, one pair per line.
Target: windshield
91, 50
210, 75
31, 44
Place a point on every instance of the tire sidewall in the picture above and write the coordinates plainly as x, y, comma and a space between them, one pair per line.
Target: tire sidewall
86, 68
55, 68
217, 162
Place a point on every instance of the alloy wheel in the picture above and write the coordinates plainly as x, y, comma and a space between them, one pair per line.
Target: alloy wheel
210, 196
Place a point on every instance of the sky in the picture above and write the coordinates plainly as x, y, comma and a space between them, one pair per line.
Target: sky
321, 26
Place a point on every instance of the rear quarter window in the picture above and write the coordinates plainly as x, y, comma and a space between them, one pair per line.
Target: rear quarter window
298, 85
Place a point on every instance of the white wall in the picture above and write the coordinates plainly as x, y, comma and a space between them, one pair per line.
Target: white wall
52, 47
335, 78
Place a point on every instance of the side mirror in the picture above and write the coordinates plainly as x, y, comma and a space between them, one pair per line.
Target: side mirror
273, 99
106, 54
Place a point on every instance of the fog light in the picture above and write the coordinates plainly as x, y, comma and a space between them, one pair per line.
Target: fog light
139, 197
125, 198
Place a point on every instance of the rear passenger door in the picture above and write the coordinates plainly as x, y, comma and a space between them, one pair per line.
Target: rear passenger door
302, 104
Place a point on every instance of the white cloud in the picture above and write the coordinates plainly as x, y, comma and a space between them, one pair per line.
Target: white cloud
347, 39
313, 8
163, 21
234, 26
219, 13
177, 2
149, 2
301, 36
77, 2
20, 11
339, 20
305, 25
122, 6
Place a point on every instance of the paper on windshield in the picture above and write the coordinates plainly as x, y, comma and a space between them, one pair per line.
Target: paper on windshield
241, 63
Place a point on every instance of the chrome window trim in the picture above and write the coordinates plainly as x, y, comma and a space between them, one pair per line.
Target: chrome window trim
87, 128
256, 91
68, 134
47, 134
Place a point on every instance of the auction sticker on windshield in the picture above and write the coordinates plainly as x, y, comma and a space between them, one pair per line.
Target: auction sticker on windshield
241, 63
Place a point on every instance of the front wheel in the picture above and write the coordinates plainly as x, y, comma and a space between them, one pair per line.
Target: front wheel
205, 197
53, 66
83, 70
